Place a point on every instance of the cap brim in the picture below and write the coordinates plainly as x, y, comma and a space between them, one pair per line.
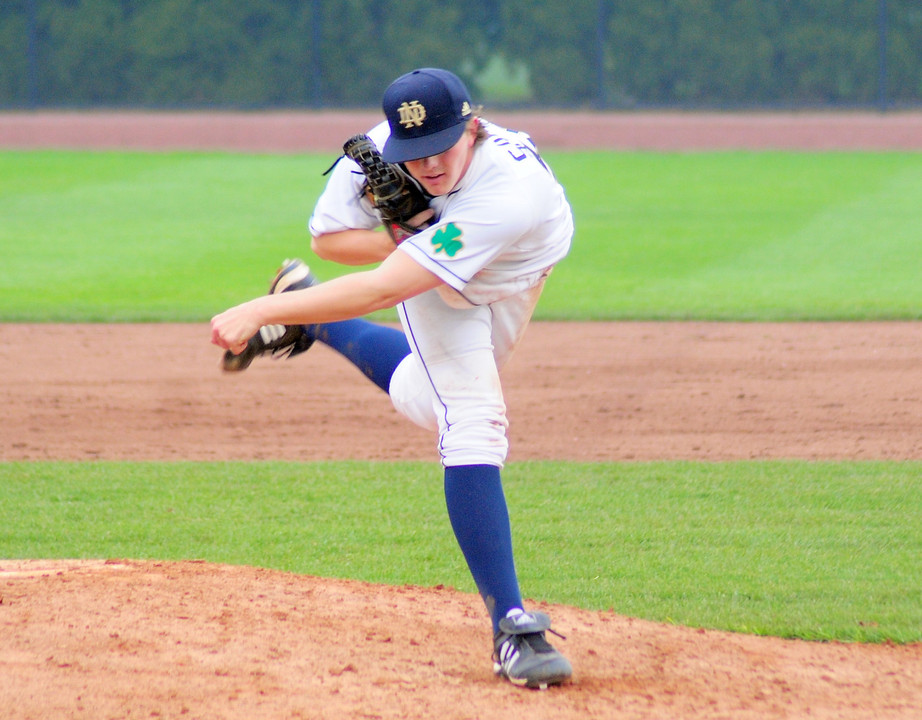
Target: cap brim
404, 149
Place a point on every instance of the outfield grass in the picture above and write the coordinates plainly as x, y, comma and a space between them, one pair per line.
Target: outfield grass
796, 549
104, 236
741, 236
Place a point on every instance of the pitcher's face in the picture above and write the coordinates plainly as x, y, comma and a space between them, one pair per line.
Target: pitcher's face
438, 174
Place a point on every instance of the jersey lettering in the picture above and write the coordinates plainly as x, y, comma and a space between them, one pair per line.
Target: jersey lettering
520, 151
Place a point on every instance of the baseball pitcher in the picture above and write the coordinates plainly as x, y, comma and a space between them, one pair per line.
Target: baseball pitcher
474, 221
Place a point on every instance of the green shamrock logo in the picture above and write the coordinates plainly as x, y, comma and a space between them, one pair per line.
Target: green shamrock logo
446, 240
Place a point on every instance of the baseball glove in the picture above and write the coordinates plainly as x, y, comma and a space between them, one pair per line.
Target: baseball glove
393, 193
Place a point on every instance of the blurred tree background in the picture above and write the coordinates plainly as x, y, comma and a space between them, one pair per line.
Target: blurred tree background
518, 53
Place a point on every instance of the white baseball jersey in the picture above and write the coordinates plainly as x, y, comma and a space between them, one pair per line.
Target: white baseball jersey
497, 232
495, 237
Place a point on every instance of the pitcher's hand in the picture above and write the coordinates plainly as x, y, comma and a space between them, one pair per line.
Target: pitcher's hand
232, 328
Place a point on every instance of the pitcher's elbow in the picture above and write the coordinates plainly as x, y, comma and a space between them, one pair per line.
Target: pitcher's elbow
319, 248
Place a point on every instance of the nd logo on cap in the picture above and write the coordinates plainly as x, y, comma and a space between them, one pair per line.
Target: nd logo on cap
411, 113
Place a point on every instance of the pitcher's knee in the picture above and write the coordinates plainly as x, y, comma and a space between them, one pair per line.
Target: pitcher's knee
474, 443
412, 396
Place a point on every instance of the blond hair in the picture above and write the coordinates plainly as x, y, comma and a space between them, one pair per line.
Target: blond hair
482, 133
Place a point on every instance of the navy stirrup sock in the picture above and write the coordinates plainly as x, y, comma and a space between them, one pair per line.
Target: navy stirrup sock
376, 350
480, 519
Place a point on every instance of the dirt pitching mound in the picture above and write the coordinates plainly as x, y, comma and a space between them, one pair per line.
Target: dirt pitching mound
116, 639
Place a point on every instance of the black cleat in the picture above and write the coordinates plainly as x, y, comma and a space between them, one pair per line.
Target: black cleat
276, 340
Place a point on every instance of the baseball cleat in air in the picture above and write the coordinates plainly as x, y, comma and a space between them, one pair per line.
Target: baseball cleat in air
276, 340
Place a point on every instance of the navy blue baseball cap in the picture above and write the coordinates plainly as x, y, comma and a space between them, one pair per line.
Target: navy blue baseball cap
427, 111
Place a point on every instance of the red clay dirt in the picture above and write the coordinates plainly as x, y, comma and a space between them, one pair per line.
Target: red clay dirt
122, 638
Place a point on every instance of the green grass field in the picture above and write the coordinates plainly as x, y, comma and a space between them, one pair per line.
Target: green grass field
811, 550
753, 236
